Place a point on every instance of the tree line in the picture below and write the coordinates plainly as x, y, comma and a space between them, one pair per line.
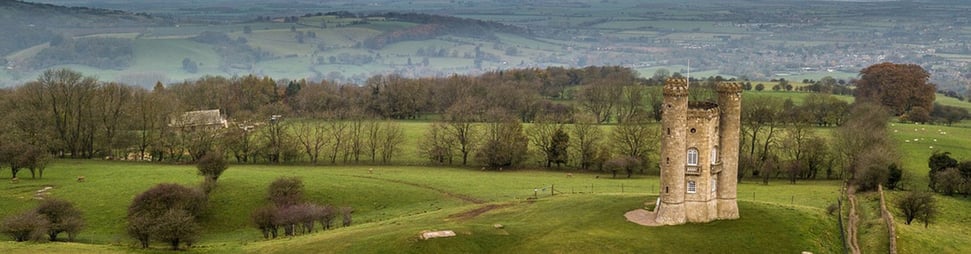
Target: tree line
476, 119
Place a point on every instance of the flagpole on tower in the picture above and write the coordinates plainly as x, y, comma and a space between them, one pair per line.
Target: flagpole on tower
689, 73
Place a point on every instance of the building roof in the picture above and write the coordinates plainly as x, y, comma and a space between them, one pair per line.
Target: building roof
200, 118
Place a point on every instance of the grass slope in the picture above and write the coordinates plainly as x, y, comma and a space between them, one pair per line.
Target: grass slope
394, 203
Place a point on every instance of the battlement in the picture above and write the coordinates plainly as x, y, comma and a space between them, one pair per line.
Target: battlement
702, 110
729, 87
676, 87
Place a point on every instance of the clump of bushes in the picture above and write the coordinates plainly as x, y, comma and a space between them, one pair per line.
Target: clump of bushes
51, 218
166, 213
289, 211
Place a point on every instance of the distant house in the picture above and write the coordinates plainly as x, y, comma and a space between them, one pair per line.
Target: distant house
200, 119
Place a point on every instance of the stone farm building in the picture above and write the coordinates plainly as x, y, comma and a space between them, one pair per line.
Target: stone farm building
200, 120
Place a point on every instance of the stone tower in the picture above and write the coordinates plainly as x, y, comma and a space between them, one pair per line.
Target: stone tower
697, 183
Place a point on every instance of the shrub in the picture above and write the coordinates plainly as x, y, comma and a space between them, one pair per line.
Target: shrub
917, 205
326, 216
832, 209
264, 218
287, 218
346, 214
286, 191
25, 226
175, 227
159, 199
63, 217
166, 213
211, 166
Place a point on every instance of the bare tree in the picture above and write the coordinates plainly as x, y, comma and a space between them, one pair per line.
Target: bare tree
312, 136
586, 138
391, 136
635, 139
436, 145
548, 137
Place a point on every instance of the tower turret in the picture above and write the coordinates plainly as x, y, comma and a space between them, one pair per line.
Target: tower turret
670, 209
730, 103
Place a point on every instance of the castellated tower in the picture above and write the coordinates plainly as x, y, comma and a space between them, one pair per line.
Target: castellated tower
730, 103
697, 183
674, 119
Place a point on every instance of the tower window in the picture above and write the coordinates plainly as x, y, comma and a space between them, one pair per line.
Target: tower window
692, 187
714, 186
693, 130
692, 157
714, 155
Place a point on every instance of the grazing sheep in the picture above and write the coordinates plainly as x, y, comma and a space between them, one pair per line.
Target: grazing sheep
14, 180
370, 171
80, 179
569, 174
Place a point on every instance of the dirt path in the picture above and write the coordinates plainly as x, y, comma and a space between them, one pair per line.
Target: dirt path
854, 220
476, 212
462, 197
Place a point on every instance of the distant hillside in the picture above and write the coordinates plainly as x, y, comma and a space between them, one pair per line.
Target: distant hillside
433, 26
35, 23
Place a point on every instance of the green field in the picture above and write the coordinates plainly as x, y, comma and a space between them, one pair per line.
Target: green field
396, 202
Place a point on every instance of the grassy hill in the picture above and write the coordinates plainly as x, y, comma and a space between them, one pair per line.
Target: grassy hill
394, 204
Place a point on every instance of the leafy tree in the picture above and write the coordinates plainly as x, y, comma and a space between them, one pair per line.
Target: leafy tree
917, 114
917, 205
948, 181
63, 217
895, 176
899, 87
939, 161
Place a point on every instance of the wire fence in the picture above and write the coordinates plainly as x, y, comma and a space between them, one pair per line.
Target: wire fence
765, 196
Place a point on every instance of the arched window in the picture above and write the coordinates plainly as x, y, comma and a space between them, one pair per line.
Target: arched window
692, 157
714, 155
692, 187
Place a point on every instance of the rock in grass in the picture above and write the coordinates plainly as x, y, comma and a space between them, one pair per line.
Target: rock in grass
437, 234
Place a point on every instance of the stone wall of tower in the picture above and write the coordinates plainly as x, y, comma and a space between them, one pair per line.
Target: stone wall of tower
730, 104
671, 210
702, 135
